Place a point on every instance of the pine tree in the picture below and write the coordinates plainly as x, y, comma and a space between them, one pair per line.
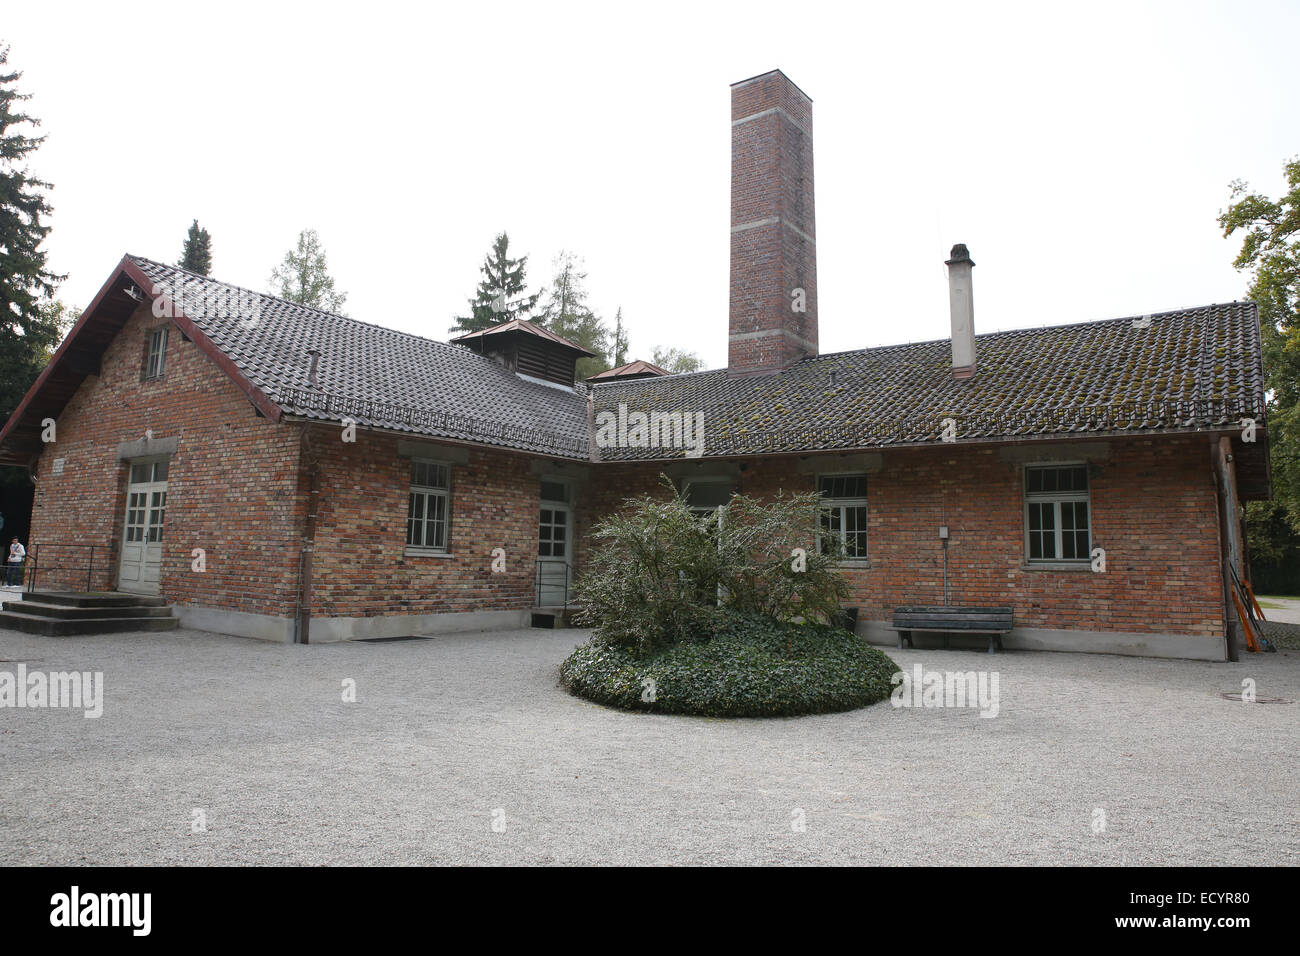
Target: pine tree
620, 340
500, 295
29, 326
304, 277
196, 256
567, 314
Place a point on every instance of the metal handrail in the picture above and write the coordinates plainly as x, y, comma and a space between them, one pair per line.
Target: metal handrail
537, 581
34, 565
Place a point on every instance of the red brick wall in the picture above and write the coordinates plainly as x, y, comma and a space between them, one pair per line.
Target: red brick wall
359, 566
236, 490
1153, 510
231, 488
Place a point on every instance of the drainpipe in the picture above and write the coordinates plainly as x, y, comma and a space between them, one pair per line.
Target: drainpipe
593, 454
302, 608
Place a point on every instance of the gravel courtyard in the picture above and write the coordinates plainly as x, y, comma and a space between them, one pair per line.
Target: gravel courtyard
463, 749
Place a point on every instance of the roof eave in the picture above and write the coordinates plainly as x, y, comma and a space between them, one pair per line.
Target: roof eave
960, 443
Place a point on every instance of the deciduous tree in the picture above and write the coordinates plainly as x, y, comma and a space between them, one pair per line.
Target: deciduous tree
304, 277
1270, 253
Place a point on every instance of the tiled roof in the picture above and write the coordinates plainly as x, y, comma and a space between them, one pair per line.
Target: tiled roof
377, 376
1173, 371
1170, 371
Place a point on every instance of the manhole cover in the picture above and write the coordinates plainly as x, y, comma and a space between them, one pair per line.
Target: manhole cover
389, 640
1257, 700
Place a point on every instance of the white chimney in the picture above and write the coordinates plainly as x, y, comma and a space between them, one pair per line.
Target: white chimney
963, 312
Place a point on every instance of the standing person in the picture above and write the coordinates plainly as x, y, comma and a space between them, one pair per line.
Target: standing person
17, 554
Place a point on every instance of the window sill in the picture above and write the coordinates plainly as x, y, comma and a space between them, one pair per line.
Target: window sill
862, 564
1056, 566
425, 553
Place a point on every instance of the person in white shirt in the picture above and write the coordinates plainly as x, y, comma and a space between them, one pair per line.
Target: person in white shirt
14, 572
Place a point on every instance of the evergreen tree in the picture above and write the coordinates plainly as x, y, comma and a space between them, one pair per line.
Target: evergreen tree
500, 296
304, 277
676, 360
567, 314
620, 340
196, 256
29, 330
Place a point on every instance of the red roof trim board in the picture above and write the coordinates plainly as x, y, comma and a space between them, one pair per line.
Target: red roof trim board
196, 335
57, 358
92, 315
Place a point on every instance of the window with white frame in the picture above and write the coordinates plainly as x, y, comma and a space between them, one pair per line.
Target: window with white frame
843, 515
1058, 525
426, 516
705, 496
154, 362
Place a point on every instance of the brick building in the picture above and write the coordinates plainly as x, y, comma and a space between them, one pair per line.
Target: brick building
284, 473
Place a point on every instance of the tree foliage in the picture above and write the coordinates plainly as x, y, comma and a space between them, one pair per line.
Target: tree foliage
1270, 253
501, 295
676, 360
658, 571
196, 254
620, 346
568, 314
29, 322
303, 276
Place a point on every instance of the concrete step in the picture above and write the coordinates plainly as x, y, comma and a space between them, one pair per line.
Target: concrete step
553, 616
77, 612
95, 598
62, 627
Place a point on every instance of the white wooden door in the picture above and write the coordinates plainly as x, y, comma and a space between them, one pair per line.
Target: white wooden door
142, 535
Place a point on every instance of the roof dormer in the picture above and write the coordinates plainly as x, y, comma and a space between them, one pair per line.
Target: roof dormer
528, 349
632, 370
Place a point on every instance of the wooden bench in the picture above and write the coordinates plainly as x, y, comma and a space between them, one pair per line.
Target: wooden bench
993, 621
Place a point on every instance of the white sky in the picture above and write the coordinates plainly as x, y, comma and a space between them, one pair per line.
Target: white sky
1082, 151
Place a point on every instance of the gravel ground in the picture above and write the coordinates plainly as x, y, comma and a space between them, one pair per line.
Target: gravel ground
449, 735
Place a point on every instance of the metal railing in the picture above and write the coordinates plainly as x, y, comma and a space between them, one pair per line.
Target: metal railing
555, 581
34, 566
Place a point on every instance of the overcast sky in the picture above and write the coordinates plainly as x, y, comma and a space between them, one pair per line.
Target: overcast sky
1082, 151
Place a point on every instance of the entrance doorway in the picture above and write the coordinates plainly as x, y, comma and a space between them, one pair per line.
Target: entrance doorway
142, 536
554, 545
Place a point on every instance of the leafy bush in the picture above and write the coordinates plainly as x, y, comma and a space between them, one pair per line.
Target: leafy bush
754, 666
659, 572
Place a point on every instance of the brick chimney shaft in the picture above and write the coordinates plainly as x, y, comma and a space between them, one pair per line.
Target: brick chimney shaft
773, 314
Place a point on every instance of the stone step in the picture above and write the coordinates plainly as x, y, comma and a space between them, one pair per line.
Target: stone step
95, 598
62, 627
74, 611
553, 617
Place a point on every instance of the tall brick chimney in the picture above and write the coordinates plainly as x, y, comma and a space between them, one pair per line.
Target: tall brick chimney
773, 230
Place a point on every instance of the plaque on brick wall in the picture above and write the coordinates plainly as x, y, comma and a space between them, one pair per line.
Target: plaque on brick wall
57, 467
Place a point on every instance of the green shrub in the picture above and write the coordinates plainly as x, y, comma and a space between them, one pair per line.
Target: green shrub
658, 572
751, 666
